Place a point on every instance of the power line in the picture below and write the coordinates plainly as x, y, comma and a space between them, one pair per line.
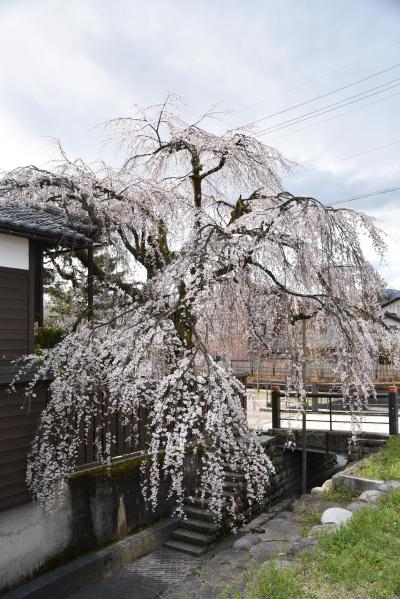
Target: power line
324, 75
334, 91
307, 170
317, 110
321, 111
334, 117
367, 195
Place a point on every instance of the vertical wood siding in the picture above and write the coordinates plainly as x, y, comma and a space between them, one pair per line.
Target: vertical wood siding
14, 313
18, 423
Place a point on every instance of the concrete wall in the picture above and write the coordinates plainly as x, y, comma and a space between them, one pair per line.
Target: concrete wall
29, 538
335, 442
99, 507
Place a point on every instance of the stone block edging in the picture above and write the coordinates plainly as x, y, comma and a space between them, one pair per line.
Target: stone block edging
348, 478
356, 483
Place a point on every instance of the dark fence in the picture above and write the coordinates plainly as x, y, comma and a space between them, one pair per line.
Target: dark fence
19, 419
125, 438
128, 438
14, 313
276, 369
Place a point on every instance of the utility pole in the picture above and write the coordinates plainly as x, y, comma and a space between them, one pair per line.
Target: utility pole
258, 374
90, 282
304, 423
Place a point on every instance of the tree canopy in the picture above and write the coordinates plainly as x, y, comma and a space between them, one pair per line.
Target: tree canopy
199, 231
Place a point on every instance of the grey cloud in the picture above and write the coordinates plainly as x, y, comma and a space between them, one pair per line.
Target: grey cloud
70, 65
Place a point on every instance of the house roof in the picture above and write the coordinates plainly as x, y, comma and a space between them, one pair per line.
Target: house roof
392, 316
44, 225
391, 301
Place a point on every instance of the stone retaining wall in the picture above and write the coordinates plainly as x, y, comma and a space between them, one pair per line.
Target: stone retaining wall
287, 480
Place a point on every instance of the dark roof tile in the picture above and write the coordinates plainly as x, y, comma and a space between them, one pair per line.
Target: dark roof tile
392, 316
44, 224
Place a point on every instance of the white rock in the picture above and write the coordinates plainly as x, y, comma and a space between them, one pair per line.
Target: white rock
370, 496
354, 506
317, 491
336, 515
328, 485
389, 485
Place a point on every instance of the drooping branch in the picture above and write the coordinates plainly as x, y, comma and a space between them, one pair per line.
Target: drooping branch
193, 263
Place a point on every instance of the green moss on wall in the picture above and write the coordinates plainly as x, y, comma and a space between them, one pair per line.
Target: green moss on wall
122, 468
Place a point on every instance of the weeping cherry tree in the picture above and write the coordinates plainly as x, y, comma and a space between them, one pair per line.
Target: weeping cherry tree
204, 235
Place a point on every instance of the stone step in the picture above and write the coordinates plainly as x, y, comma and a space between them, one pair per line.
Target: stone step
233, 493
196, 501
233, 485
227, 494
233, 476
236, 489
192, 537
199, 513
199, 525
228, 468
188, 548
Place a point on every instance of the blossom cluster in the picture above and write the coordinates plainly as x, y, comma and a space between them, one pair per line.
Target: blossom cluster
202, 217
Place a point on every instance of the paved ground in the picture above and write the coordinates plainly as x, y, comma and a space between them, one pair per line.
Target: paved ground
145, 578
168, 574
227, 569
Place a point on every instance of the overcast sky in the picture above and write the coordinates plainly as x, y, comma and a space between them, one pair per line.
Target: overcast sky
67, 65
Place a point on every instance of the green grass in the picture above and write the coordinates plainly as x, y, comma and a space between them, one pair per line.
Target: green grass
340, 494
359, 561
384, 465
270, 583
307, 516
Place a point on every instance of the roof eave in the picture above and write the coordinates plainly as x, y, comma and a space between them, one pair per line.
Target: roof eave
48, 240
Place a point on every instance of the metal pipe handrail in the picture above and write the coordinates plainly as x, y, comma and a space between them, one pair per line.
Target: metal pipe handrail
390, 413
328, 394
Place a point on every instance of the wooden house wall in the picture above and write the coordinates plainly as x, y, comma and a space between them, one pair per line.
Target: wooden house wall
15, 319
18, 423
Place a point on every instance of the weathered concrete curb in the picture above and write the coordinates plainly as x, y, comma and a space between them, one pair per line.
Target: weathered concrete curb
353, 482
71, 577
356, 483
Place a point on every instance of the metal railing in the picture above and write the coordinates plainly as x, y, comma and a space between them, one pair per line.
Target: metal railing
383, 405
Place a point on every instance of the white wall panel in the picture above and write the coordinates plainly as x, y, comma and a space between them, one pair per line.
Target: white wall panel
14, 252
